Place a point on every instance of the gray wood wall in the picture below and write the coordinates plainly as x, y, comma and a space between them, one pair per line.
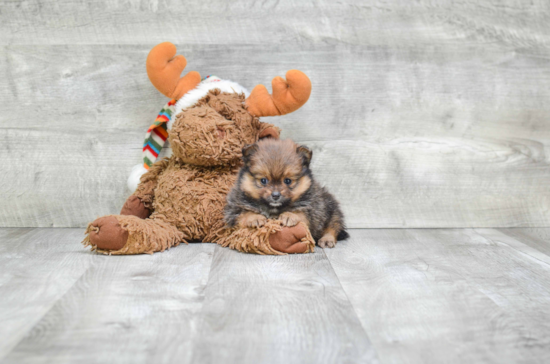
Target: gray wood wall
423, 114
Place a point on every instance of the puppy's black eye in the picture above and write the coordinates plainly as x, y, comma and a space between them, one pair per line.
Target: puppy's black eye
287, 181
263, 181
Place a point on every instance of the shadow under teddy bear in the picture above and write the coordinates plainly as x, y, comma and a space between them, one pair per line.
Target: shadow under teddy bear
181, 198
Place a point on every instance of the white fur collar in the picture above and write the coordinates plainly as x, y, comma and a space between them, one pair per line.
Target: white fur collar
191, 97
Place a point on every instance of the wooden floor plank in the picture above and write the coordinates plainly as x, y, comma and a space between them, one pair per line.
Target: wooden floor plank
519, 244
536, 238
127, 309
9, 235
37, 267
289, 309
445, 295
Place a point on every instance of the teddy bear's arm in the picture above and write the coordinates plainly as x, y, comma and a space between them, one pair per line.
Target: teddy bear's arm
133, 206
140, 204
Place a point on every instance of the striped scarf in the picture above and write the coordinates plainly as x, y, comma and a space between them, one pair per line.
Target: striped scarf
157, 134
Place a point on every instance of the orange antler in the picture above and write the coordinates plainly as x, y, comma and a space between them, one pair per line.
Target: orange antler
164, 71
288, 96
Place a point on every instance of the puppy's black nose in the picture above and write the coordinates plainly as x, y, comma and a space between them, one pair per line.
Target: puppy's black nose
275, 195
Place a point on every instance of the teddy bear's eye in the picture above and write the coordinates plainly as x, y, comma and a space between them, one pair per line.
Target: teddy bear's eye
287, 181
263, 181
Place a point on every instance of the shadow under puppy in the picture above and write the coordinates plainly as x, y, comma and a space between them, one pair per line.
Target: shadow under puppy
275, 182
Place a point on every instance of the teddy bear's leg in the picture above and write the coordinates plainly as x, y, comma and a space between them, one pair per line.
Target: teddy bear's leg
272, 238
125, 234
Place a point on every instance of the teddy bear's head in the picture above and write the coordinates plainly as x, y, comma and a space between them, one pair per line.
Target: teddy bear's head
214, 131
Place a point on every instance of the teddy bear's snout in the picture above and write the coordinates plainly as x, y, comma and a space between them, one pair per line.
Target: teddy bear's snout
220, 132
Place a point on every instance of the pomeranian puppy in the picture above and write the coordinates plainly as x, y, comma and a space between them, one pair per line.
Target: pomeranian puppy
275, 182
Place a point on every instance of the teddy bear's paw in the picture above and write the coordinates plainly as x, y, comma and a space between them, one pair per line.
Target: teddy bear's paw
107, 234
291, 240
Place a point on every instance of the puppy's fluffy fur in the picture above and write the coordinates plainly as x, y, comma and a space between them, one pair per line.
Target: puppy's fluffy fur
275, 182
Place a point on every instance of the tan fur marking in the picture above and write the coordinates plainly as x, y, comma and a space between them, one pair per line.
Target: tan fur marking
259, 170
335, 225
265, 193
330, 231
249, 186
303, 185
293, 170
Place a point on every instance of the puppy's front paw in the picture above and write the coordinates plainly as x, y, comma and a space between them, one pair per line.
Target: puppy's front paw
252, 220
289, 219
327, 241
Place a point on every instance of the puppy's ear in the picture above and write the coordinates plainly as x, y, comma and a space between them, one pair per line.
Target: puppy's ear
305, 153
248, 151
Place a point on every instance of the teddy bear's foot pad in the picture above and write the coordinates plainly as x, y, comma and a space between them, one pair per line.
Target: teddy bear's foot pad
291, 240
105, 233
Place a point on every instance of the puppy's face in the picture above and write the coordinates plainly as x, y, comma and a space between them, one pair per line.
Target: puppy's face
276, 172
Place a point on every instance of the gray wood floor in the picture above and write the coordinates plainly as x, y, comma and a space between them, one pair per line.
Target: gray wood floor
386, 295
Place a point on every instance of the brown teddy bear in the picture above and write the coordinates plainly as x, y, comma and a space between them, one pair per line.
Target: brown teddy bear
181, 198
